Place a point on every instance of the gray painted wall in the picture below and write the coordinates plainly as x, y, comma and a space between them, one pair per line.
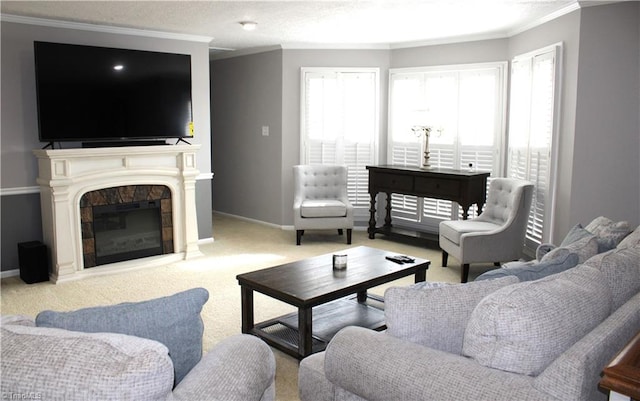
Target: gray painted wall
606, 162
253, 174
19, 131
482, 51
246, 94
596, 41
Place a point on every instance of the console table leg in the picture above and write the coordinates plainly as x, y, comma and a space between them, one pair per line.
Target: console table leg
372, 216
465, 212
305, 340
387, 219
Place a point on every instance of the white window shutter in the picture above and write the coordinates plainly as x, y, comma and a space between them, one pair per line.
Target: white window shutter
532, 120
465, 106
339, 124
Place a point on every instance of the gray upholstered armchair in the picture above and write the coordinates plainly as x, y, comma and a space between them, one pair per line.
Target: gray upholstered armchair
497, 235
320, 200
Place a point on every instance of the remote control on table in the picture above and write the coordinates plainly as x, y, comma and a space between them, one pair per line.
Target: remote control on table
395, 259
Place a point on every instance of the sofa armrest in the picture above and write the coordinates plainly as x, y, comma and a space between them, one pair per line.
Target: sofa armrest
378, 367
239, 368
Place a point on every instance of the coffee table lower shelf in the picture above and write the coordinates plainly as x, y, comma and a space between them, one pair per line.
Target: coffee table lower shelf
282, 332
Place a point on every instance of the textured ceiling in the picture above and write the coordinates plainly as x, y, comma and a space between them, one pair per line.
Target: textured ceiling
380, 23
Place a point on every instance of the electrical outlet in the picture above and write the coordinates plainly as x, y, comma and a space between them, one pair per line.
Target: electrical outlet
265, 130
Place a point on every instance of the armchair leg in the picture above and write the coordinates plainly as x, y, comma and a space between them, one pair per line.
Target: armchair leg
464, 273
339, 231
299, 236
445, 258
349, 236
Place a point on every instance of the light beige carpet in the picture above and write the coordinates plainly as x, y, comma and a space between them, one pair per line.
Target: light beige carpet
240, 246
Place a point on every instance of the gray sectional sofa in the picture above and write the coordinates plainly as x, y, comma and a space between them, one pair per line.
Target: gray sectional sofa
149, 350
510, 337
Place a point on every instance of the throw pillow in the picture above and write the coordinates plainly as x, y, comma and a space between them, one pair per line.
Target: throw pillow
585, 248
543, 249
436, 317
59, 364
524, 327
174, 321
576, 233
529, 271
609, 233
632, 240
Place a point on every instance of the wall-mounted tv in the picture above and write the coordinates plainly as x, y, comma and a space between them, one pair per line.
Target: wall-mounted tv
98, 94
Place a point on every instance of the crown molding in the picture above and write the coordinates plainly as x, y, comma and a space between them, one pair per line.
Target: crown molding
336, 46
549, 17
217, 53
450, 40
103, 28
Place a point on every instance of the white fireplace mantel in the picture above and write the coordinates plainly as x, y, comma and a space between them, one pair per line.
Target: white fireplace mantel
65, 175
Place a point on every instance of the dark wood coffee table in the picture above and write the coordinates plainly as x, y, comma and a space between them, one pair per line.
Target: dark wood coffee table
327, 300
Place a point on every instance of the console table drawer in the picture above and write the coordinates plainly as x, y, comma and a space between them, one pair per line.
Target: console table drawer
391, 181
436, 187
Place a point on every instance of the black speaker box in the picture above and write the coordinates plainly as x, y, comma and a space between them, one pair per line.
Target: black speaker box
34, 262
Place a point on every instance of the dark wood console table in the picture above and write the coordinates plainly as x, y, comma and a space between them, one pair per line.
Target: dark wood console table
463, 187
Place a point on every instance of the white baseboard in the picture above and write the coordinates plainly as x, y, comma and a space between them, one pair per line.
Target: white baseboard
9, 273
285, 228
204, 241
251, 220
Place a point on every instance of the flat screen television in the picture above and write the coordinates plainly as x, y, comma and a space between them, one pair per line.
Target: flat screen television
97, 94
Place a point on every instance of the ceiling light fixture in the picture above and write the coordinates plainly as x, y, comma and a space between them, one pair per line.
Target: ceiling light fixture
249, 25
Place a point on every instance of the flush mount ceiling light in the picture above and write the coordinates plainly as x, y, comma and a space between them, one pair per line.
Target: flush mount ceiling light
249, 25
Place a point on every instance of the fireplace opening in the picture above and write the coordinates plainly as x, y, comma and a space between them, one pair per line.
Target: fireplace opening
126, 222
127, 231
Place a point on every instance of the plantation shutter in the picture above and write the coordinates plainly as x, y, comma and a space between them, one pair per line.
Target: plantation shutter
339, 124
406, 93
464, 105
532, 121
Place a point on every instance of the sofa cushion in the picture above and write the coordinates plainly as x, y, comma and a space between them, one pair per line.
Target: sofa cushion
436, 316
608, 232
621, 268
174, 321
524, 327
534, 270
584, 247
20, 320
58, 364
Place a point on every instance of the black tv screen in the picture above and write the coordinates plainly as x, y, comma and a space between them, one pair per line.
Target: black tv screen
88, 93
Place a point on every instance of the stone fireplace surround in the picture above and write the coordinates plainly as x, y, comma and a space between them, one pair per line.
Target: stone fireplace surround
66, 175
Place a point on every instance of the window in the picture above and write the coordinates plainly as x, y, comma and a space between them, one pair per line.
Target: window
532, 124
465, 106
339, 124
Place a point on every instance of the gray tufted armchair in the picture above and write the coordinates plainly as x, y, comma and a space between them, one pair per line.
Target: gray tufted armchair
497, 235
320, 200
